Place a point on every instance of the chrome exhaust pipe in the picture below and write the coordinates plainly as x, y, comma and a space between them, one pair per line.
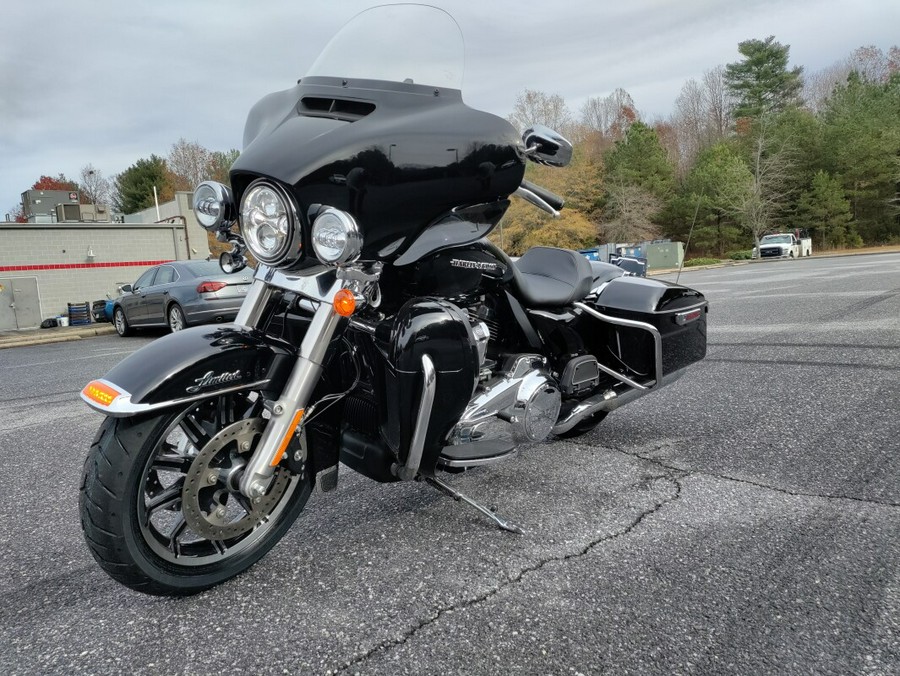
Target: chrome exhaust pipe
608, 400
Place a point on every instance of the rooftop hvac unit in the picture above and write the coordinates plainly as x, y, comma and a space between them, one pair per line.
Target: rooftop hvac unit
68, 213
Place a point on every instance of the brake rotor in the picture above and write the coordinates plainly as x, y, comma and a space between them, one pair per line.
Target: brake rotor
212, 480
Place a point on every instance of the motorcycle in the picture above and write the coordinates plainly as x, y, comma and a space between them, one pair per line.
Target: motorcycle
383, 330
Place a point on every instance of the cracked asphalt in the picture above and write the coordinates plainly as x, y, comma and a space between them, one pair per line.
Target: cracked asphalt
744, 520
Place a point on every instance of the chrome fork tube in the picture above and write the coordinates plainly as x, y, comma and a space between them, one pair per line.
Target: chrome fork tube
287, 411
250, 312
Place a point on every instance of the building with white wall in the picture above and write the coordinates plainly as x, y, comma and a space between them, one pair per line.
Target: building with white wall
45, 266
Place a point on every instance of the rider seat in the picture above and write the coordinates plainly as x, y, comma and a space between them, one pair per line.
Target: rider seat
546, 276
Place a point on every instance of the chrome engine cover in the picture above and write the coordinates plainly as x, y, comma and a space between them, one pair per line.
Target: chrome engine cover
522, 404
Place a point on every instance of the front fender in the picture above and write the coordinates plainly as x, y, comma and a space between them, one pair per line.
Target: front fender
189, 365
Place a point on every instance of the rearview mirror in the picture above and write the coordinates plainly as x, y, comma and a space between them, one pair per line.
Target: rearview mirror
545, 146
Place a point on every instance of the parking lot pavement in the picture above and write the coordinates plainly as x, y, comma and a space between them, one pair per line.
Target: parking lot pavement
743, 520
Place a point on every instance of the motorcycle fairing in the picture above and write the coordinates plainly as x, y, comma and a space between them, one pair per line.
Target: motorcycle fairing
403, 157
195, 363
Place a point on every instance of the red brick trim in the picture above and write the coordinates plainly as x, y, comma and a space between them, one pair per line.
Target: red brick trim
80, 266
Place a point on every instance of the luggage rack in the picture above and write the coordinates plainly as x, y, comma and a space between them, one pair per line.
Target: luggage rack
631, 323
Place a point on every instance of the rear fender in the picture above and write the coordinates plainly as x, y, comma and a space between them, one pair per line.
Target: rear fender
190, 365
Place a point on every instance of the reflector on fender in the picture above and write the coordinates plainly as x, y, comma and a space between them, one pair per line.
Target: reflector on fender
683, 318
101, 393
344, 302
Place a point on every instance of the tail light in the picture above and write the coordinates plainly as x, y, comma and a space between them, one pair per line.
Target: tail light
211, 287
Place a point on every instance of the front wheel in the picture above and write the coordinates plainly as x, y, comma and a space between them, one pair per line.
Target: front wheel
161, 507
121, 322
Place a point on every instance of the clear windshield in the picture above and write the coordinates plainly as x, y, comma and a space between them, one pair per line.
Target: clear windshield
417, 44
776, 239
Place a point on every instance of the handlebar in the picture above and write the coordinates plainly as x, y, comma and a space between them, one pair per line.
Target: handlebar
541, 198
550, 198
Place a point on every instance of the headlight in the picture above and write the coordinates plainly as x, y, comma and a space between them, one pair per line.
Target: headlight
336, 238
269, 224
213, 205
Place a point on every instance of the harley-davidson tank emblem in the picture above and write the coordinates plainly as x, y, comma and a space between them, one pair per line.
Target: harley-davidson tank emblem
210, 378
473, 265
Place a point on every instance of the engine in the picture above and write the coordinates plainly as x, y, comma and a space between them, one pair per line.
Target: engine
519, 405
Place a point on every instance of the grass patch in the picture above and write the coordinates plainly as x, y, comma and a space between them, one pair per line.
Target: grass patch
740, 255
701, 261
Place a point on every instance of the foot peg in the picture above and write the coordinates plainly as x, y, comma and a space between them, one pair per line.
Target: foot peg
456, 495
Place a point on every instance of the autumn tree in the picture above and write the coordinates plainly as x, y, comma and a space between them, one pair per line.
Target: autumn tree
610, 115
579, 184
630, 212
761, 83
702, 115
189, 163
220, 164
771, 161
535, 107
639, 179
95, 187
135, 185
59, 182
16, 214
870, 63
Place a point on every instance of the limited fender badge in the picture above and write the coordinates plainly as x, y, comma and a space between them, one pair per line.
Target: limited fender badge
209, 378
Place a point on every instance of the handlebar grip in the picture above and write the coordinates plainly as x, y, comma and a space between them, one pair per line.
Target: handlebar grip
550, 198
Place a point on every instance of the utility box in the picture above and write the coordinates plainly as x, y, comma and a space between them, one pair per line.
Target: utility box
664, 255
20, 303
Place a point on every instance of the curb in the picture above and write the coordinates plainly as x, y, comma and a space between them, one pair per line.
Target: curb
757, 261
49, 336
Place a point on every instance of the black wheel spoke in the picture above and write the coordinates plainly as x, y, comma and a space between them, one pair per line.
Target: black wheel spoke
243, 501
219, 545
172, 462
178, 529
195, 431
166, 499
225, 410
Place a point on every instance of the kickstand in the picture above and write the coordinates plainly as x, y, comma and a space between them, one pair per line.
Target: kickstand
456, 495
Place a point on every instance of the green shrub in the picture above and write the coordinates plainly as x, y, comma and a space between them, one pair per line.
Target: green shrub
701, 261
740, 255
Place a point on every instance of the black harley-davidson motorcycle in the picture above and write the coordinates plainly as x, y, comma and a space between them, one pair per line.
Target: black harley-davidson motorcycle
382, 330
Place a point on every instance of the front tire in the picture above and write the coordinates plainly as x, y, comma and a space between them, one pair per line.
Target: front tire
160, 505
121, 322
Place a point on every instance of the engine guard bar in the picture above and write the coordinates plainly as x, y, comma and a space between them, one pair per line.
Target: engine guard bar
657, 345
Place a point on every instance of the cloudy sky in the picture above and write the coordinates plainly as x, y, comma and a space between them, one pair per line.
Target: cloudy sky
108, 82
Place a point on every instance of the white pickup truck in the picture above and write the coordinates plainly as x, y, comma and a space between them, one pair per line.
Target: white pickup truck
784, 245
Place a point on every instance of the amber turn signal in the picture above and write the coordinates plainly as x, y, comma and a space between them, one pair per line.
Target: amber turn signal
102, 393
344, 302
298, 416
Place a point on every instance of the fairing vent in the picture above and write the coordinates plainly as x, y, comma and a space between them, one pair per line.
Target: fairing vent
338, 109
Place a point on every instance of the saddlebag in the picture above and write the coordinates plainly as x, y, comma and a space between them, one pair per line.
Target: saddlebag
676, 312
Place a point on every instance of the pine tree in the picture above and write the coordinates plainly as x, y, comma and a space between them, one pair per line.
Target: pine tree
762, 83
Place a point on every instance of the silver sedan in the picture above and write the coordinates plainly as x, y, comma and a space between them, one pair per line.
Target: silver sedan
179, 294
